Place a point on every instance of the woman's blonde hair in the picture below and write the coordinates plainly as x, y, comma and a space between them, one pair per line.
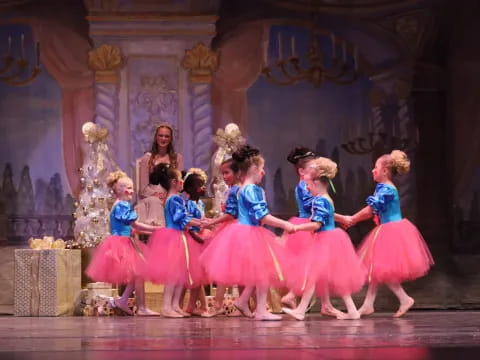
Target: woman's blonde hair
323, 168
397, 162
113, 178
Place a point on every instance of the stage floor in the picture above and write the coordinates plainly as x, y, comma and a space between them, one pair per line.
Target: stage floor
419, 335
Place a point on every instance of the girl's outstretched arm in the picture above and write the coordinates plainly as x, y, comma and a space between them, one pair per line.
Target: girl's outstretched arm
364, 214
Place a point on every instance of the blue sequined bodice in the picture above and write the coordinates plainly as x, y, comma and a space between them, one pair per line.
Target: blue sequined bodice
323, 212
121, 215
252, 206
176, 215
385, 203
304, 200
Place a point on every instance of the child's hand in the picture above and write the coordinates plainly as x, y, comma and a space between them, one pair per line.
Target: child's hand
205, 223
289, 227
345, 221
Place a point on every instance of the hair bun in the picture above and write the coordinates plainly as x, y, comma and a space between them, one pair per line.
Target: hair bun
244, 153
324, 167
113, 177
299, 153
401, 163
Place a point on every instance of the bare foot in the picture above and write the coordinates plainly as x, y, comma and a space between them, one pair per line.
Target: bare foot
348, 316
244, 309
122, 306
330, 311
170, 313
404, 308
366, 310
289, 301
266, 316
295, 314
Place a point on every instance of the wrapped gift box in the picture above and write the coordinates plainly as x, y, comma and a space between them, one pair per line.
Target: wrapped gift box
47, 282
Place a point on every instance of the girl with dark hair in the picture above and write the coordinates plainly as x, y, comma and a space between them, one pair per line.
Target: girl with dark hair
174, 254
249, 253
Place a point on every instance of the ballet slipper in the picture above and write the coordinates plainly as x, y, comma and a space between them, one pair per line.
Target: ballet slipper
182, 312
289, 301
348, 316
147, 312
244, 309
404, 308
296, 315
366, 310
266, 316
170, 313
330, 311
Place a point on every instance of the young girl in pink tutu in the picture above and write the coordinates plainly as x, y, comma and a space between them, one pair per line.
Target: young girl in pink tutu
394, 251
229, 171
248, 253
295, 243
194, 187
120, 258
173, 256
329, 264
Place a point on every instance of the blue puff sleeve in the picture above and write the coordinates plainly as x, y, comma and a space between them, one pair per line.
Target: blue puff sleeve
179, 212
383, 195
255, 201
305, 196
124, 213
194, 212
231, 205
321, 210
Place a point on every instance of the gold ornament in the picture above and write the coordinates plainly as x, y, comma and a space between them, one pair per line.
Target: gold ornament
96, 182
94, 220
105, 60
201, 62
90, 187
81, 234
101, 200
74, 215
76, 204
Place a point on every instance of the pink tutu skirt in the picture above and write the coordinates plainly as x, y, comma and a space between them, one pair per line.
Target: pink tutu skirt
295, 243
395, 252
171, 261
117, 261
244, 255
217, 231
330, 264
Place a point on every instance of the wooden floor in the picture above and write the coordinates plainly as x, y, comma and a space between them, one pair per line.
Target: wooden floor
419, 335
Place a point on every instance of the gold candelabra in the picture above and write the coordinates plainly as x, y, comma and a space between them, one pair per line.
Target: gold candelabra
13, 69
338, 71
378, 144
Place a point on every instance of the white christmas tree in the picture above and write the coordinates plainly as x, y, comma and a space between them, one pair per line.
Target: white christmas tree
95, 199
228, 141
